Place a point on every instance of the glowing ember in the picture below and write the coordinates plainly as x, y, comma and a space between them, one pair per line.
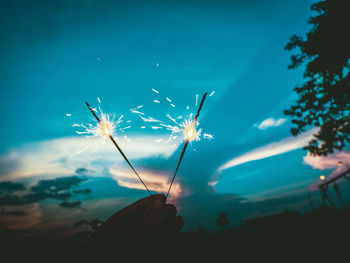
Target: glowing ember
102, 130
188, 127
105, 129
322, 177
190, 132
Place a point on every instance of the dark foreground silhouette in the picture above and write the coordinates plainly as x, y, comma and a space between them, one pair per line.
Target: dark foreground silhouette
150, 229
149, 222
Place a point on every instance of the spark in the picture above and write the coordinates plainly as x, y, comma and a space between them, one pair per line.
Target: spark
149, 119
188, 128
190, 133
211, 94
120, 119
181, 127
171, 118
156, 91
196, 100
187, 107
156, 101
128, 121
98, 99
107, 128
128, 127
134, 110
88, 146
208, 136
157, 64
68, 114
169, 127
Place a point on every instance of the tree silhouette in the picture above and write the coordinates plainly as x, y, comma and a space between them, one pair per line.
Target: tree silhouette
324, 98
222, 220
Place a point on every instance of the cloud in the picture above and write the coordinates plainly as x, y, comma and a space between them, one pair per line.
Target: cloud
32, 217
12, 194
330, 161
155, 181
272, 149
270, 122
56, 158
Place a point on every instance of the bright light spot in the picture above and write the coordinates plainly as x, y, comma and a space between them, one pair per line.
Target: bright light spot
68, 114
211, 94
102, 130
322, 177
156, 101
190, 132
154, 90
105, 129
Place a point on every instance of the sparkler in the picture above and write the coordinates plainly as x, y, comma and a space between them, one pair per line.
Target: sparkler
190, 134
105, 129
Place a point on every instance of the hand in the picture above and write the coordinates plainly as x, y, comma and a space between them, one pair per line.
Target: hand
148, 219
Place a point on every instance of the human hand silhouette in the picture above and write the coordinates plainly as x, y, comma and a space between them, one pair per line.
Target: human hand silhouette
148, 219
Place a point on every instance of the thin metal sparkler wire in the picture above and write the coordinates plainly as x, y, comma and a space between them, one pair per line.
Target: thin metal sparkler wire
186, 143
119, 149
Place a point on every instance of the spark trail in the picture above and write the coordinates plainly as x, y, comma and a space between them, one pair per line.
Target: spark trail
106, 132
190, 134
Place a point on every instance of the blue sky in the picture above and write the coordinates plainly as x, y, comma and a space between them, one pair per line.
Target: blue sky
58, 54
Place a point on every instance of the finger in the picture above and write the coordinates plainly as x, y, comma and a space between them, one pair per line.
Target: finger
154, 213
179, 223
171, 210
136, 209
125, 218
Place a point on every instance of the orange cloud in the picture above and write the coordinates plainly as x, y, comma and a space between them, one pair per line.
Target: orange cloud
155, 181
328, 162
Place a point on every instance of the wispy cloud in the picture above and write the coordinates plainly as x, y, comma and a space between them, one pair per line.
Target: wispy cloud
272, 149
32, 217
270, 122
155, 181
54, 158
328, 162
